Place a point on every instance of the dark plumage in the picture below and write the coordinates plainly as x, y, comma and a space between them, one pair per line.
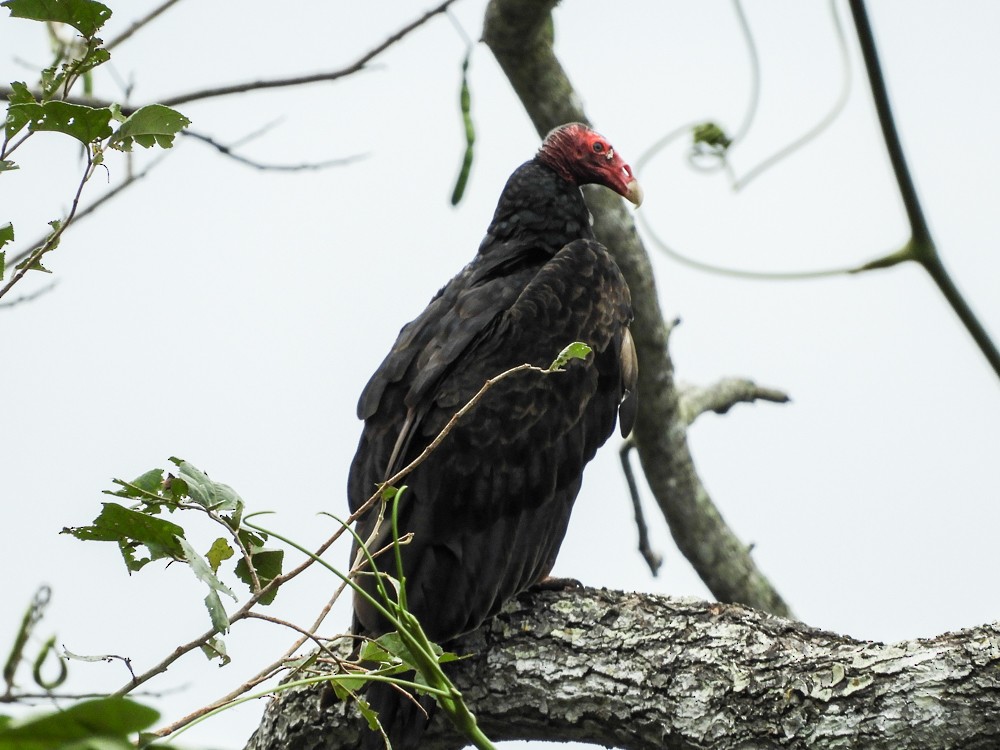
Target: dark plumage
489, 508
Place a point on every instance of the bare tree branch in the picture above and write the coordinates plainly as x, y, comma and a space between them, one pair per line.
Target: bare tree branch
247, 86
653, 558
146, 19
723, 395
519, 33
554, 666
921, 246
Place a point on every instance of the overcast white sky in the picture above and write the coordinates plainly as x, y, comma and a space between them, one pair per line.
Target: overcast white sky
231, 317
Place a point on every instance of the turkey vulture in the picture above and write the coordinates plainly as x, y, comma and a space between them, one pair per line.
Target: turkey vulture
489, 508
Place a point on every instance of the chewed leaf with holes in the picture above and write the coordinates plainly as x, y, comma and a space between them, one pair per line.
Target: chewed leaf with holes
86, 124
154, 125
132, 529
86, 16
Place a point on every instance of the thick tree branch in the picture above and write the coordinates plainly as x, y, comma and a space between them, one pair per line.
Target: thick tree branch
519, 32
555, 666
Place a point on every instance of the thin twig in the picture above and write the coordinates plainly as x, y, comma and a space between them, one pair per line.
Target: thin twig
114, 192
653, 559
36, 255
5, 151
227, 151
333, 75
921, 247
262, 676
29, 297
254, 134
151, 16
49, 697
307, 634
240, 88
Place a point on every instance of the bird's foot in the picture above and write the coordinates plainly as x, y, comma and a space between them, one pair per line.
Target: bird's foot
550, 583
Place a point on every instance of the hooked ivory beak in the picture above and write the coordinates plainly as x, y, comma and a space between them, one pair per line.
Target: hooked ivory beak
633, 193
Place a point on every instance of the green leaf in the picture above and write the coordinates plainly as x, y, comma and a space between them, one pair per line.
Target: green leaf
219, 551
103, 718
6, 235
267, 563
20, 94
252, 540
370, 716
710, 134
86, 124
6, 165
217, 612
132, 529
148, 126
201, 568
151, 482
34, 263
393, 644
86, 16
205, 492
576, 350
215, 648
93, 58
373, 651
344, 686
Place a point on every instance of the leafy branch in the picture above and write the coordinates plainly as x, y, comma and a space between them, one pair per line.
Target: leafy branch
45, 109
50, 105
143, 536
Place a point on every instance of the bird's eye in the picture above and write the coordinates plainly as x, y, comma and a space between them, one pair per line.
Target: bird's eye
598, 147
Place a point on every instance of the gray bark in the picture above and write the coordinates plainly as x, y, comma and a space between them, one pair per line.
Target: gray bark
646, 672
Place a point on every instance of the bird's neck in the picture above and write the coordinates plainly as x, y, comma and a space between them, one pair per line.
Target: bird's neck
539, 208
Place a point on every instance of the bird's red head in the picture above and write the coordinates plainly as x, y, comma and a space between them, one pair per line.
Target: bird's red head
583, 157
